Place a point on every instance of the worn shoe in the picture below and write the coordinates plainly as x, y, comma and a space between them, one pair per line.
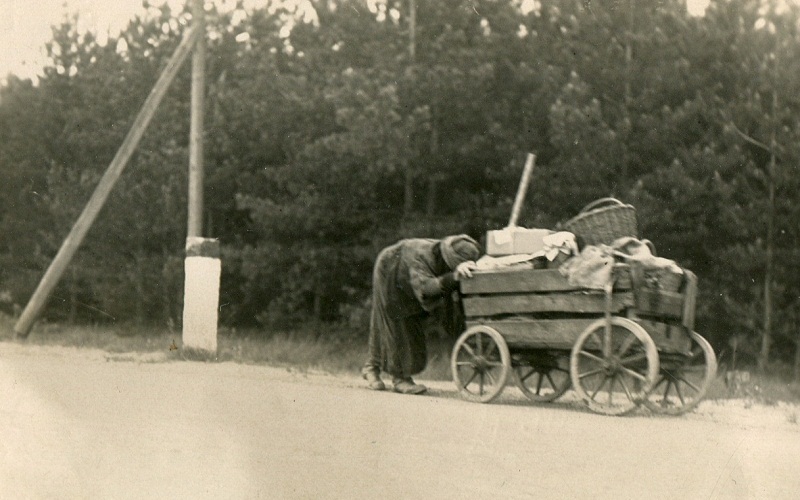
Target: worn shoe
374, 379
407, 386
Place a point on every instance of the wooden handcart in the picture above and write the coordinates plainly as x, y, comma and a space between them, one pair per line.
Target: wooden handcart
618, 348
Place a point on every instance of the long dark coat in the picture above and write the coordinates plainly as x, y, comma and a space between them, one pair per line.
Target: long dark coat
410, 280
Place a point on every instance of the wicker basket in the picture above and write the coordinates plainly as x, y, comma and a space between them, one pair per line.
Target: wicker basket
603, 221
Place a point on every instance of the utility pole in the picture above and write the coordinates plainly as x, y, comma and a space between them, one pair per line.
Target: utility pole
196, 173
202, 266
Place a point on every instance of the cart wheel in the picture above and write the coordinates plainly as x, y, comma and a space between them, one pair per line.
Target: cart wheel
683, 379
542, 377
480, 363
613, 381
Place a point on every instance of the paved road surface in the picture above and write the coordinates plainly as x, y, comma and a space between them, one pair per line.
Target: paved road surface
84, 424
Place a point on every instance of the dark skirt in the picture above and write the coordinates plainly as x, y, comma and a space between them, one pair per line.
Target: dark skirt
396, 343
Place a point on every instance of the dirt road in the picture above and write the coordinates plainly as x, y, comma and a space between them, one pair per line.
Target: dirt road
85, 424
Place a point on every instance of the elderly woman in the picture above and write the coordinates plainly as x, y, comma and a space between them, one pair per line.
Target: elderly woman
411, 278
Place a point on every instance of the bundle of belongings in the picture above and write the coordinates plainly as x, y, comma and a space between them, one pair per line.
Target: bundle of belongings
588, 267
592, 267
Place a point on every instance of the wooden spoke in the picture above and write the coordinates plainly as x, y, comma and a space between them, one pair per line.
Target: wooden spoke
666, 391
680, 395
539, 384
629, 342
468, 349
590, 373
527, 375
599, 387
633, 359
634, 374
611, 390
690, 384
478, 344
625, 388
549, 379
591, 356
658, 384
474, 374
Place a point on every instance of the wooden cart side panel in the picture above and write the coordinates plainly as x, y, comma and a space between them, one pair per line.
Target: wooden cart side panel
659, 303
526, 280
538, 334
573, 303
562, 333
671, 338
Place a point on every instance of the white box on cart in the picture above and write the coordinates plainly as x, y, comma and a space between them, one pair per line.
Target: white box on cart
515, 240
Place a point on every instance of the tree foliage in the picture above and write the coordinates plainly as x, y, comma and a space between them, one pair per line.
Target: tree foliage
336, 128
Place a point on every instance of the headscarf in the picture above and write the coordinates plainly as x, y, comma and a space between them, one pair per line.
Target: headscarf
458, 249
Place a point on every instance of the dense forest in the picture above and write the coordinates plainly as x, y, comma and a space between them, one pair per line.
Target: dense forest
337, 127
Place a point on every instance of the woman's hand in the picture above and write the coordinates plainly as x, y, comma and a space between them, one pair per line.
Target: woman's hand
464, 270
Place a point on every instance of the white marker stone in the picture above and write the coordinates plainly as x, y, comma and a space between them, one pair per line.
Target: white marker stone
203, 268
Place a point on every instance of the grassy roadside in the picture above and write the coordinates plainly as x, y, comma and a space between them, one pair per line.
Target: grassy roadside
325, 348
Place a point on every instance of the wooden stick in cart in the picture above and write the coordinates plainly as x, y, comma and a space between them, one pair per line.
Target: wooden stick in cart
522, 189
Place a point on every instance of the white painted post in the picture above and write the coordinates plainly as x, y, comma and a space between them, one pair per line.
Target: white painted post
202, 265
203, 268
